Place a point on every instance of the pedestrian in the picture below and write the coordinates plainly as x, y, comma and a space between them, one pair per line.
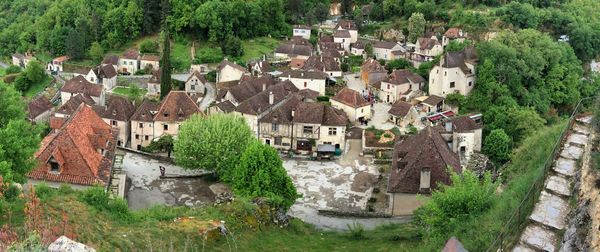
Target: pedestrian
162, 170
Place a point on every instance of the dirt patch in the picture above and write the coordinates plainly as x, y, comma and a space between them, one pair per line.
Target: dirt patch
590, 191
354, 133
372, 140
363, 181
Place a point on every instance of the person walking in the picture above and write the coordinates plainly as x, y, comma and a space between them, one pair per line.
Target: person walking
162, 170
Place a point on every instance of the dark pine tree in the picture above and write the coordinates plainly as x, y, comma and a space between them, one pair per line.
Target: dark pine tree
165, 76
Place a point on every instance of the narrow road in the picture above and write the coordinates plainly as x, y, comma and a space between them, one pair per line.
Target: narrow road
3, 65
209, 97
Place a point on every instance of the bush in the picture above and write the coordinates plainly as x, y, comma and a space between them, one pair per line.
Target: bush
44, 192
357, 230
12, 69
100, 200
323, 98
345, 67
211, 76
387, 135
148, 46
209, 55
11, 192
372, 200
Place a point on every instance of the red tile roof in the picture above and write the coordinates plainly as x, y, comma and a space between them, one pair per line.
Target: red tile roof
131, 54
177, 106
351, 98
79, 85
77, 148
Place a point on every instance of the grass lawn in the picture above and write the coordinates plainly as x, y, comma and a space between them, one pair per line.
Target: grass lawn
38, 87
257, 47
180, 52
2, 72
124, 91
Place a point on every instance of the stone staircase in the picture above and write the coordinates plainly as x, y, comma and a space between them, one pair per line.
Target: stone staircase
550, 214
118, 177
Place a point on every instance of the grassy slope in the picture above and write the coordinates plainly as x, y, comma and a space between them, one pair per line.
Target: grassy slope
257, 47
124, 91
38, 87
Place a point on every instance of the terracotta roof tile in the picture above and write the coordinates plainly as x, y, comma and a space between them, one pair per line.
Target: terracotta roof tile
351, 98
73, 104
322, 63
111, 60
251, 86
150, 57
117, 108
427, 43
260, 102
464, 124
131, 54
341, 34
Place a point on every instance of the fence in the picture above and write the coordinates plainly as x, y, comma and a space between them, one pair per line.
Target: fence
518, 220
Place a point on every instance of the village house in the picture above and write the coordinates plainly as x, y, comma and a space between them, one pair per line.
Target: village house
303, 79
348, 25
259, 68
301, 31
332, 54
464, 135
201, 68
399, 85
79, 152
432, 104
453, 34
196, 84
255, 107
104, 75
115, 110
343, 38
229, 71
129, 62
150, 62
56, 65
151, 121
358, 48
383, 49
330, 46
22, 60
247, 88
353, 103
426, 49
372, 72
329, 65
79, 85
222, 107
402, 113
111, 60
296, 63
454, 74
420, 164
303, 126
290, 51
154, 83
39, 109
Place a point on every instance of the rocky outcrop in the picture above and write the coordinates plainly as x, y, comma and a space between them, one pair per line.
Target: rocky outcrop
64, 244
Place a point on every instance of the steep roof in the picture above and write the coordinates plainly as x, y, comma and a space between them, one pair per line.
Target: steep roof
146, 111
305, 112
331, 53
299, 40
75, 147
341, 34
427, 43
459, 59
283, 113
351, 98
321, 63
425, 151
226, 62
260, 102
106, 71
79, 85
330, 46
346, 25
297, 63
358, 45
402, 76
226, 106
454, 33
131, 54
197, 75
251, 86
150, 57
433, 100
263, 65
400, 109
464, 124
293, 49
110, 60
117, 108
73, 104
176, 107
305, 74
38, 106
384, 44
371, 65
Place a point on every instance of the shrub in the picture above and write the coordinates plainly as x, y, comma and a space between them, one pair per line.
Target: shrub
11, 192
148, 46
100, 200
65, 189
357, 230
387, 135
12, 69
209, 55
372, 200
323, 98
211, 76
376, 189
44, 192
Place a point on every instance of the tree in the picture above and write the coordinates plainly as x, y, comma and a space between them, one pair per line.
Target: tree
34, 72
455, 99
497, 146
149, 46
369, 50
96, 52
165, 61
416, 27
450, 206
357, 17
232, 46
392, 8
135, 93
398, 64
346, 7
521, 15
260, 173
19, 139
455, 46
321, 12
163, 144
214, 143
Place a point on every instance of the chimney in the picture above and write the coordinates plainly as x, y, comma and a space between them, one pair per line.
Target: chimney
293, 45
264, 86
293, 113
271, 98
102, 99
302, 74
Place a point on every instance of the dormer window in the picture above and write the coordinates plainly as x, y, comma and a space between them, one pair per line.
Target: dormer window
54, 165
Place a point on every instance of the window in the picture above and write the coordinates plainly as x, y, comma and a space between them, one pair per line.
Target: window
146, 138
137, 136
388, 86
452, 84
193, 87
150, 125
166, 127
278, 141
130, 63
305, 84
113, 122
307, 129
470, 83
274, 127
362, 110
445, 73
141, 125
332, 131
54, 166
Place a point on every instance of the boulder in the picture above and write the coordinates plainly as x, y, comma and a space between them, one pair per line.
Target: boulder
64, 244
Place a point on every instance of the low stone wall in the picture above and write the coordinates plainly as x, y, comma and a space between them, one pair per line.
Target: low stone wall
335, 213
154, 156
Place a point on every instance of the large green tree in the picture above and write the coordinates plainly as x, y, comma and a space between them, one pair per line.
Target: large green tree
416, 27
260, 173
498, 146
213, 143
165, 62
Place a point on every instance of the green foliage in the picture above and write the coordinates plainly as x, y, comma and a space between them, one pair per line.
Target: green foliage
12, 69
135, 93
211, 76
518, 123
398, 64
148, 46
96, 52
165, 65
163, 144
323, 98
455, 99
101, 201
357, 230
520, 15
44, 192
232, 46
11, 192
214, 143
416, 27
260, 173
498, 146
450, 206
33, 243
345, 67
412, 130
455, 46
209, 55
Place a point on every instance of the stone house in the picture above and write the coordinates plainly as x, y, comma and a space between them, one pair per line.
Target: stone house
111, 60
353, 103
343, 38
150, 61
453, 34
420, 164
39, 109
259, 68
153, 120
56, 65
248, 87
79, 152
229, 71
22, 60
399, 84
372, 72
292, 50
303, 79
154, 83
329, 65
358, 48
402, 113
464, 135
129, 62
301, 31
454, 74
196, 84
432, 104
350, 26
79, 85
384, 49
426, 49
104, 75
